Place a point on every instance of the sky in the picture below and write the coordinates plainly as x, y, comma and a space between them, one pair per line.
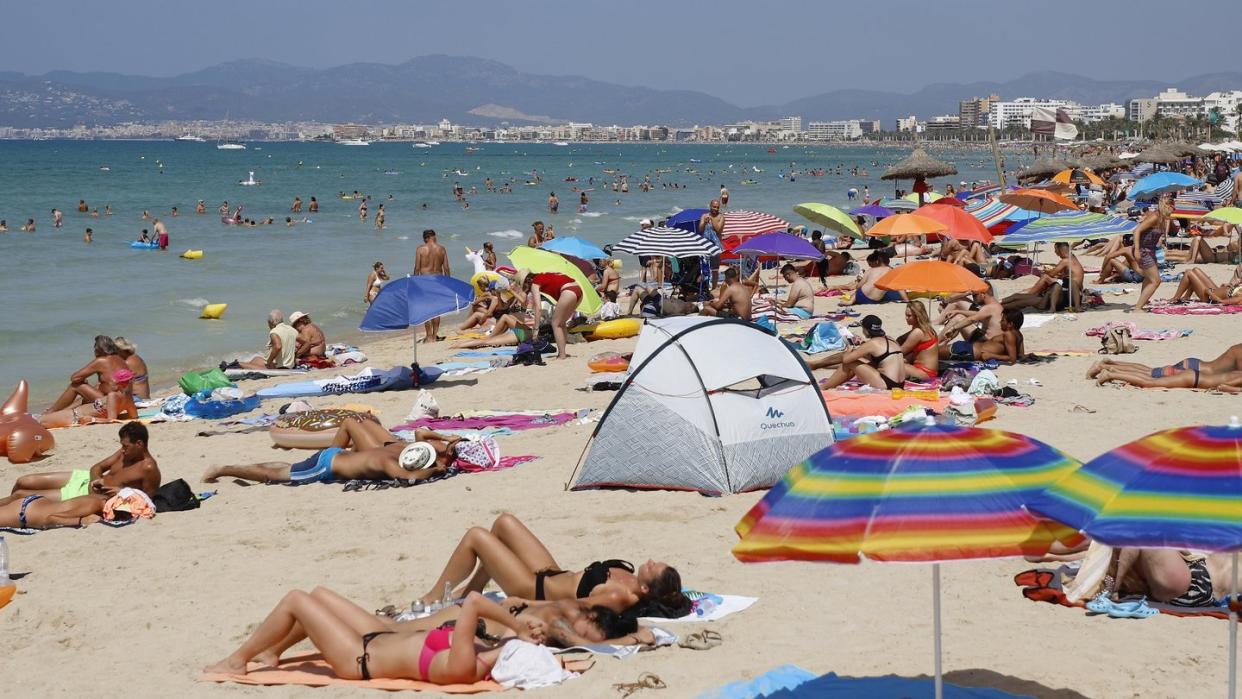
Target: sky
749, 52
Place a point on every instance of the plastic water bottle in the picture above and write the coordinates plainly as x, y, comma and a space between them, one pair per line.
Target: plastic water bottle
4, 562
447, 598
704, 606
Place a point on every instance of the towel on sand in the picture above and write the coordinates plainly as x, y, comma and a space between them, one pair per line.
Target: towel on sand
1196, 309
1136, 332
311, 670
723, 606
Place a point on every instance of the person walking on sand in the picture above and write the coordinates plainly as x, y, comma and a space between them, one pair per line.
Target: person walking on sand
431, 258
1148, 237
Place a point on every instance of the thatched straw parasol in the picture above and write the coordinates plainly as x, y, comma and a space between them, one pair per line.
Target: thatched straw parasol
1159, 154
1185, 149
918, 166
1103, 161
1041, 168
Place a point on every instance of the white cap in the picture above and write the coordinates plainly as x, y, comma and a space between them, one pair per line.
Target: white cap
296, 316
646, 222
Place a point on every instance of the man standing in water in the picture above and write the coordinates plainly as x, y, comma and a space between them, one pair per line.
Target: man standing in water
553, 203
161, 234
57, 218
724, 195
431, 258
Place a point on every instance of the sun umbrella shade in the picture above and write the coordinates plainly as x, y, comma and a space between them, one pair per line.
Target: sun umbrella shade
1077, 176
913, 493
906, 226
1229, 214
931, 277
827, 216
1042, 167
1109, 226
1160, 155
961, 225
686, 219
1153, 186
668, 242
989, 211
872, 210
1040, 200
576, 247
416, 300
899, 204
918, 165
950, 201
537, 260
745, 223
779, 245
928, 197
1180, 488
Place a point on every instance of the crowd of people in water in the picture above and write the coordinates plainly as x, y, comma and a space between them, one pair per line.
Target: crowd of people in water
603, 602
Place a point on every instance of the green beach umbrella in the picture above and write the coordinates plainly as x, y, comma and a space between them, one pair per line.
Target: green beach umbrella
830, 217
537, 260
1229, 214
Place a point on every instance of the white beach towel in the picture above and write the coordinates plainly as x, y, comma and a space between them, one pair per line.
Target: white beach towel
662, 638
528, 666
729, 604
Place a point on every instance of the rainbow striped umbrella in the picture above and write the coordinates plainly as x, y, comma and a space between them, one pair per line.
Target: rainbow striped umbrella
926, 493
1179, 488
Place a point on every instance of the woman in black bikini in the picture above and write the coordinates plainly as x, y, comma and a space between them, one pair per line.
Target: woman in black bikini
1169, 575
512, 556
878, 362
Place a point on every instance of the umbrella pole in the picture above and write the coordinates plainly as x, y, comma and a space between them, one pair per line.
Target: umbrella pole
936, 626
1233, 632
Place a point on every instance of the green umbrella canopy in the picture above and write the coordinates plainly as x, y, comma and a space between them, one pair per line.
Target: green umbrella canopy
829, 216
537, 260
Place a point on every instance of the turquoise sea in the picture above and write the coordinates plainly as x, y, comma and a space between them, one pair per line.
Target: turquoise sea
59, 292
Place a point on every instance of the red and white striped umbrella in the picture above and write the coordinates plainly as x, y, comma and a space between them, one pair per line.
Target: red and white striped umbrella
747, 223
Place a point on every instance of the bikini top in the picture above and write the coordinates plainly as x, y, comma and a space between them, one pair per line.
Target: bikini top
879, 359
597, 574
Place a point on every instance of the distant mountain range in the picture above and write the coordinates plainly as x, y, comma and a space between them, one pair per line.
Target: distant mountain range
478, 91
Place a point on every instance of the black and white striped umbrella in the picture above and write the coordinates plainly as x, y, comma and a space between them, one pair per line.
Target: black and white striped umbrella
668, 242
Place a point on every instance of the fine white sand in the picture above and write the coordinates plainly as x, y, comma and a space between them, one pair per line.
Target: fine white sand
142, 609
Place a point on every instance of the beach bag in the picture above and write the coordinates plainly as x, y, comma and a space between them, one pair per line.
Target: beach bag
473, 455
424, 406
528, 354
175, 496
1117, 340
198, 381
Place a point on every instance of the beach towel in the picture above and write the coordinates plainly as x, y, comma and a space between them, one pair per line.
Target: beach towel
1138, 333
783, 677
662, 638
1036, 320
1047, 585
832, 686
767, 307
366, 381
493, 352
513, 421
240, 374
855, 405
1196, 309
710, 607
311, 670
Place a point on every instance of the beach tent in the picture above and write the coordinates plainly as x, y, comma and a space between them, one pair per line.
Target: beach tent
711, 404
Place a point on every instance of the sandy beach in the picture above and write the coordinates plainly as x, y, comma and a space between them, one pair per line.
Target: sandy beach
157, 601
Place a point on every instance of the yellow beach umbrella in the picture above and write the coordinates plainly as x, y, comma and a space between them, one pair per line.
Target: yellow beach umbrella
830, 217
928, 197
537, 260
1229, 214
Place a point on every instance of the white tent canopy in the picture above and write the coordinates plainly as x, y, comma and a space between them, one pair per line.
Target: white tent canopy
713, 405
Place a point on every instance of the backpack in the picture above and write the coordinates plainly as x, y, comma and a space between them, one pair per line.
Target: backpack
175, 496
1117, 340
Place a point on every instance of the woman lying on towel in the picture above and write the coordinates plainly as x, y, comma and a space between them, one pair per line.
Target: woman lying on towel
1196, 284
509, 329
1227, 382
512, 556
360, 646
567, 623
1229, 360
38, 512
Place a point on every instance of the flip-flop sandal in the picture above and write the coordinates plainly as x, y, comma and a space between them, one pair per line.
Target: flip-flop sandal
703, 640
647, 680
1081, 409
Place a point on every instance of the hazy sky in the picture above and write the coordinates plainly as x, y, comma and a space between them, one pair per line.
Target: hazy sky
749, 52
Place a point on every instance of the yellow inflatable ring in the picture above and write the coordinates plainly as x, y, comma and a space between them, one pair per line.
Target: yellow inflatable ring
613, 329
192, 254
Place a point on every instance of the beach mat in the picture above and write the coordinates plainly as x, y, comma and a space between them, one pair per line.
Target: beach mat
833, 686
850, 404
709, 606
311, 670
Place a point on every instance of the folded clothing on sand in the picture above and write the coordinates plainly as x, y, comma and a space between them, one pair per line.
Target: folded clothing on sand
1136, 332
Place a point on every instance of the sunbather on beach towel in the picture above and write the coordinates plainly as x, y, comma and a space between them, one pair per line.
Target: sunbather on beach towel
39, 512
509, 329
521, 565
1006, 347
1169, 576
1227, 382
1229, 360
131, 466
358, 645
567, 623
1196, 284
361, 450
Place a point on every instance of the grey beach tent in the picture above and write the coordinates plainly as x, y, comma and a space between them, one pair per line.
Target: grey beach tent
711, 404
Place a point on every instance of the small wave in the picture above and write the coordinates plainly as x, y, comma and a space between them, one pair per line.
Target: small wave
193, 303
635, 219
593, 214
403, 237
510, 233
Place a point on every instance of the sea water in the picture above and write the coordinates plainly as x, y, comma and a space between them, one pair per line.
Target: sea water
58, 292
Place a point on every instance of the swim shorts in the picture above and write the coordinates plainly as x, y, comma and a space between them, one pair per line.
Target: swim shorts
961, 350
861, 299
316, 469
79, 484
800, 312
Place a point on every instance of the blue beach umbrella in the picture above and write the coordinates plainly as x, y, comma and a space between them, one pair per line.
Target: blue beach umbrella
872, 210
416, 300
576, 247
1153, 186
686, 219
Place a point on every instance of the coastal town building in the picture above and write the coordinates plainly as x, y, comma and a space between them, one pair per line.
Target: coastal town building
846, 130
974, 111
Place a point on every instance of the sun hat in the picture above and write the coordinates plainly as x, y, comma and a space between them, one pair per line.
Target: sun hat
521, 276
296, 316
873, 326
417, 455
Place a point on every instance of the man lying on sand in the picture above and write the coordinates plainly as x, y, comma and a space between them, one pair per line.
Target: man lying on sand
131, 466
1192, 369
1007, 347
376, 454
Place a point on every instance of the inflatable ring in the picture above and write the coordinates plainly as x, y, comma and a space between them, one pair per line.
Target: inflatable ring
311, 429
484, 281
609, 362
613, 329
213, 311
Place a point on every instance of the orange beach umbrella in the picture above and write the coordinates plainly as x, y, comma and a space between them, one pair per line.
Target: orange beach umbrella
1041, 200
931, 277
961, 225
906, 226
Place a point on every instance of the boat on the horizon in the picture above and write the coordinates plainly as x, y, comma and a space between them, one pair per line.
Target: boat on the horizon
191, 137
230, 146
420, 144
562, 144
353, 142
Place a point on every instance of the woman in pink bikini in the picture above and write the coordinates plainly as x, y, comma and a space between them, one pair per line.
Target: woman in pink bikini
358, 645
